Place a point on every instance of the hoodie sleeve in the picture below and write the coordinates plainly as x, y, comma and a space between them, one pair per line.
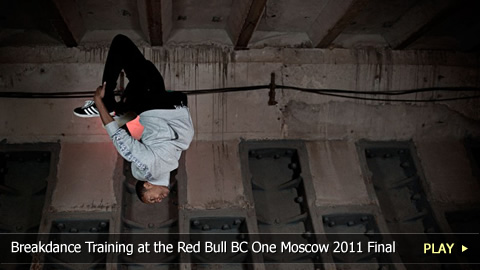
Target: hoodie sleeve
128, 147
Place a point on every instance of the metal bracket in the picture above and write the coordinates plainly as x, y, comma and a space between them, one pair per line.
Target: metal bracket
271, 93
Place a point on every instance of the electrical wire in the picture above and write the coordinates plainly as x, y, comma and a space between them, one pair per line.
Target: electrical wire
33, 95
341, 93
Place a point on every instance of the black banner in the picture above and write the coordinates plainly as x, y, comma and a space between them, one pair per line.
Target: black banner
153, 248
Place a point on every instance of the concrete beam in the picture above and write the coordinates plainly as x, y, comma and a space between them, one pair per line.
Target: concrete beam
167, 19
150, 16
214, 178
243, 20
333, 19
336, 174
442, 179
67, 21
418, 20
87, 185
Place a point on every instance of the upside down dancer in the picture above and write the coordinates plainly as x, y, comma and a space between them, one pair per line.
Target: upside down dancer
168, 128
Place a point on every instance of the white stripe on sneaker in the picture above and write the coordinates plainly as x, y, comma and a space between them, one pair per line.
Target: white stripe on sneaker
89, 111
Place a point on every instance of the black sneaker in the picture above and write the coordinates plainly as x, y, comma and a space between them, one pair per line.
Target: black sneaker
89, 109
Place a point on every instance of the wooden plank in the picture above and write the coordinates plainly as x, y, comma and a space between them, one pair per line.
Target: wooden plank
66, 20
154, 19
417, 21
244, 20
334, 18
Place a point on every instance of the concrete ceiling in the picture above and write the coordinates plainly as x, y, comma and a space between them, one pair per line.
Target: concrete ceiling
450, 25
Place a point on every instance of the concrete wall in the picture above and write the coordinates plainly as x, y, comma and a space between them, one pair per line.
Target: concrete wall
330, 125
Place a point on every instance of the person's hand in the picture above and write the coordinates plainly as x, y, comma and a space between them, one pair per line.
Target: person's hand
99, 93
97, 98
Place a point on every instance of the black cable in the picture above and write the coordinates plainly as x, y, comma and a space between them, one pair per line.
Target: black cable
225, 90
333, 92
89, 94
43, 97
388, 93
350, 94
394, 100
